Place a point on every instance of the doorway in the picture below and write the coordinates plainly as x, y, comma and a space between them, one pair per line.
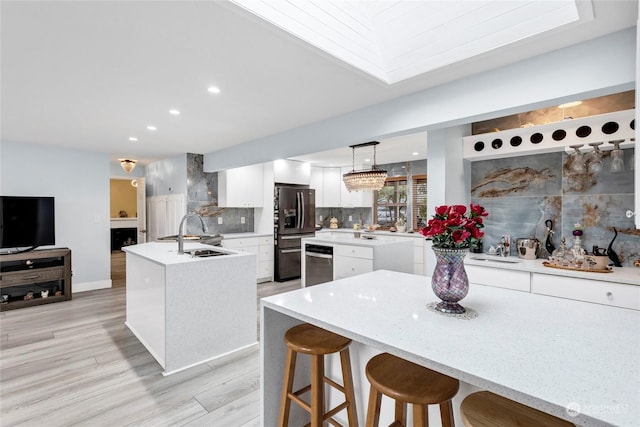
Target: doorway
127, 222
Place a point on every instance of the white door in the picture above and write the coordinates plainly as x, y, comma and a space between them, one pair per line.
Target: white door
142, 211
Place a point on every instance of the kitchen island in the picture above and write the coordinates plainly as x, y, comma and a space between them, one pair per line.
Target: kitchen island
575, 360
189, 310
353, 256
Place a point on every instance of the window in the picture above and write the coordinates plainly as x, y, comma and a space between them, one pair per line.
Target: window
391, 202
419, 201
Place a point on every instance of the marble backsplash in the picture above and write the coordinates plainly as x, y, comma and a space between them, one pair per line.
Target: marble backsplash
521, 193
202, 198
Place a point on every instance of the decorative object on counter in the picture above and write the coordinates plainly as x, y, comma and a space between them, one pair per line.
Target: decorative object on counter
452, 231
548, 243
528, 248
611, 253
44, 294
28, 296
5, 299
577, 250
371, 227
364, 180
563, 267
333, 222
636, 263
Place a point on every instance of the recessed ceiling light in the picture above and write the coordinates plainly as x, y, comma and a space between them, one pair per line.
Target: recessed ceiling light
367, 160
213, 89
174, 112
151, 127
415, 153
570, 104
133, 138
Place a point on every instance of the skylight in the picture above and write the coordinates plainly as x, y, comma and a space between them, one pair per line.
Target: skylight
394, 40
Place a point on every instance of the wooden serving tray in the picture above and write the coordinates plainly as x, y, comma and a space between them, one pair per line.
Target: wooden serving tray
604, 270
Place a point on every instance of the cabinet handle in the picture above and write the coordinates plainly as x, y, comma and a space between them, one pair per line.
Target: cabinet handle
609, 295
37, 276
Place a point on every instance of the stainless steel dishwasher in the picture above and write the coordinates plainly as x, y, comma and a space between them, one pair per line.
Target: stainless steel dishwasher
318, 264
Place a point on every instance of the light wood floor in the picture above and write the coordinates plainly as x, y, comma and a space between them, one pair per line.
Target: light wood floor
75, 363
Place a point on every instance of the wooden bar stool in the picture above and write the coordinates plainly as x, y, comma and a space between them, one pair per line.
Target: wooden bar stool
485, 409
317, 343
407, 382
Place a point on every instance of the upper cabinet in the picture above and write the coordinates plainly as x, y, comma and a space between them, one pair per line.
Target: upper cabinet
331, 181
241, 187
332, 193
291, 172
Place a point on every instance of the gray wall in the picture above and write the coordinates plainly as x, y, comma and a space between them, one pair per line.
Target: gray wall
79, 181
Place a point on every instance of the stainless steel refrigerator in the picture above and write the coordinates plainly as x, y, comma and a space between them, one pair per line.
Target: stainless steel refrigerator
294, 218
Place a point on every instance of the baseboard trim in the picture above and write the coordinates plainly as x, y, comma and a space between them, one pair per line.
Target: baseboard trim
91, 286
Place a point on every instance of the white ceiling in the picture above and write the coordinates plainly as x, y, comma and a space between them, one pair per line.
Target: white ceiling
89, 75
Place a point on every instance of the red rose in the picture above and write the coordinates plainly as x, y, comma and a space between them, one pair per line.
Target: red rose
442, 210
459, 209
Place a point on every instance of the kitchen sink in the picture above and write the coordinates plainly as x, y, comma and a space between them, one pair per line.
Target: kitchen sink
495, 259
204, 253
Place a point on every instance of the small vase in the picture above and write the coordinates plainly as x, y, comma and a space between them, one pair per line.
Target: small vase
449, 280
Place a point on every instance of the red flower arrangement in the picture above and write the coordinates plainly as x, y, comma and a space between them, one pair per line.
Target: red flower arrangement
453, 228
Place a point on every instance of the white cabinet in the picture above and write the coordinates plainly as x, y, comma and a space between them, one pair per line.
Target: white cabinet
354, 199
262, 247
291, 172
164, 214
241, 187
331, 183
316, 183
509, 279
351, 260
607, 293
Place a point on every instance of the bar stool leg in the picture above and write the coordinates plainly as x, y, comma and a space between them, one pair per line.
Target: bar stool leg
317, 390
373, 410
446, 414
349, 391
287, 388
401, 412
420, 415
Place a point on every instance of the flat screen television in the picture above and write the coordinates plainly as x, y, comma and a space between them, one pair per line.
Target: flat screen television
27, 222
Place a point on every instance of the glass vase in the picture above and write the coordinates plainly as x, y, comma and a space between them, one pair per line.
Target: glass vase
449, 280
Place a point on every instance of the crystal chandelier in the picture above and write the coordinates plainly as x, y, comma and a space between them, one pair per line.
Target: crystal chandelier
364, 180
127, 164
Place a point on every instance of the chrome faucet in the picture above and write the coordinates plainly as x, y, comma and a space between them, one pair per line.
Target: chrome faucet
180, 233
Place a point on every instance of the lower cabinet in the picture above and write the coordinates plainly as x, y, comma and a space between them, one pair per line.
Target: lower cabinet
351, 260
615, 294
509, 279
262, 247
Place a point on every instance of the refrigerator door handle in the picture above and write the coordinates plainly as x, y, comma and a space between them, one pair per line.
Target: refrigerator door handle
290, 251
302, 210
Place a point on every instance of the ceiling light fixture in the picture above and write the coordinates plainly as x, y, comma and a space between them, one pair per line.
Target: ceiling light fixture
570, 104
364, 180
213, 89
415, 153
133, 138
151, 127
174, 112
127, 164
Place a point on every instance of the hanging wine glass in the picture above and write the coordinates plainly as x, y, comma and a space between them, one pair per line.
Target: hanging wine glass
617, 157
595, 158
577, 160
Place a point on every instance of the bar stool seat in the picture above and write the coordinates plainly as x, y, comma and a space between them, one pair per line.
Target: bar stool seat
485, 409
317, 342
406, 382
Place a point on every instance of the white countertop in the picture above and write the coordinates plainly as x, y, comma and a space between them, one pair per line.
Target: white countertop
350, 240
375, 233
544, 352
166, 253
626, 275
246, 235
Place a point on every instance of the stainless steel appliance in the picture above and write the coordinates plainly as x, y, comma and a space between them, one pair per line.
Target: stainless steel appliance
318, 264
294, 218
